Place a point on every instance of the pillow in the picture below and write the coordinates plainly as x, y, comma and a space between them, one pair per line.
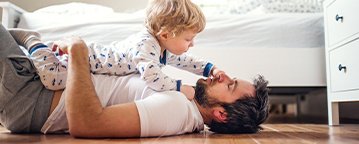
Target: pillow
75, 8
260, 6
214, 7
292, 6
243, 6
211, 7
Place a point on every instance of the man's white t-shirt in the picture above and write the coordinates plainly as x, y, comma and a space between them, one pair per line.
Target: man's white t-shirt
161, 113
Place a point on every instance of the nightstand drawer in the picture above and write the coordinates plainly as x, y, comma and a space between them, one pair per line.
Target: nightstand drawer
344, 67
342, 21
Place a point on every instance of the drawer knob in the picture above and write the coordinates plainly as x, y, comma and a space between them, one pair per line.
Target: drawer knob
341, 67
337, 18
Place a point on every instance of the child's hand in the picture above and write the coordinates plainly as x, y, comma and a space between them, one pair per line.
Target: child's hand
60, 46
217, 73
56, 48
188, 91
64, 46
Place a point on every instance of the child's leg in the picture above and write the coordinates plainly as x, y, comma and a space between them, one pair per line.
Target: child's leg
51, 68
109, 60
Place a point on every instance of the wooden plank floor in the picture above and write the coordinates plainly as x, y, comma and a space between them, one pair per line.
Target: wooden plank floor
287, 133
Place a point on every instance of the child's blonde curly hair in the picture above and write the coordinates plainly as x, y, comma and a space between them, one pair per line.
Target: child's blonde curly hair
173, 16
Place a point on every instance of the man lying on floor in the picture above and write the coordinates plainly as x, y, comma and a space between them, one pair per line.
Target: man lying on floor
110, 106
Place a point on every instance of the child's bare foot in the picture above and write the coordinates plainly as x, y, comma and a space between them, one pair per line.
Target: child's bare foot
26, 38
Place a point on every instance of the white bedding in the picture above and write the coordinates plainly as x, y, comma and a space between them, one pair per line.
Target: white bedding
281, 30
287, 48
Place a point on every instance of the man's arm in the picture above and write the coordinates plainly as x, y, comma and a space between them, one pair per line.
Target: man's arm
86, 116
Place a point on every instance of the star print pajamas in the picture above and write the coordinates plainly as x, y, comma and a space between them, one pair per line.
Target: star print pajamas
139, 53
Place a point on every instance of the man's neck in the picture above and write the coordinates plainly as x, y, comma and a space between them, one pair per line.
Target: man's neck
205, 113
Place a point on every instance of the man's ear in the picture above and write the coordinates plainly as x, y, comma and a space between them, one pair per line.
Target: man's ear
220, 115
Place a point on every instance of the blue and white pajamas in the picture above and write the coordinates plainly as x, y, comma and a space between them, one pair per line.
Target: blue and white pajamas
140, 53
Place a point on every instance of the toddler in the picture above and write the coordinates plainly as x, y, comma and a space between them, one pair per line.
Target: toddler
170, 27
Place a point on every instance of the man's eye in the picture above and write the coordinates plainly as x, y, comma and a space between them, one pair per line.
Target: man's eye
230, 86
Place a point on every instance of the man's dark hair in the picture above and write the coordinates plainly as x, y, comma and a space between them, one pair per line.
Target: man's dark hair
245, 115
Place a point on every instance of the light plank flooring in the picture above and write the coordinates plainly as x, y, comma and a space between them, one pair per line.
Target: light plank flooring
286, 133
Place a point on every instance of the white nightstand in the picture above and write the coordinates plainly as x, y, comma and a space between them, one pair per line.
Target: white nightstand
342, 54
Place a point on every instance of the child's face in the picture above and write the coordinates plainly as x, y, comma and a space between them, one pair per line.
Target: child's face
178, 44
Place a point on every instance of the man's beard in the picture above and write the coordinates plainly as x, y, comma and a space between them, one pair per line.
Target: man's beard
201, 96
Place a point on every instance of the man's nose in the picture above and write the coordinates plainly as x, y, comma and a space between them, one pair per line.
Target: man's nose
225, 78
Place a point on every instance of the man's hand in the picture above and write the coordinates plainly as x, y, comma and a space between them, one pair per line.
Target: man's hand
188, 91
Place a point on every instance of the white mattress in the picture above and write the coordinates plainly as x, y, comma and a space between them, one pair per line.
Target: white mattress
279, 30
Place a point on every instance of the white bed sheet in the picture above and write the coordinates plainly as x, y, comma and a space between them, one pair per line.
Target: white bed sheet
288, 49
279, 30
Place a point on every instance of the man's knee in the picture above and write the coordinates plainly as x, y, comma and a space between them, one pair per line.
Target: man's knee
16, 69
8, 44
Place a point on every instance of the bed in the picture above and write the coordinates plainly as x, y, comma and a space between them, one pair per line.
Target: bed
287, 48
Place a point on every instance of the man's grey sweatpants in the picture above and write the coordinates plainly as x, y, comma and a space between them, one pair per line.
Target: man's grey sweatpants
24, 101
